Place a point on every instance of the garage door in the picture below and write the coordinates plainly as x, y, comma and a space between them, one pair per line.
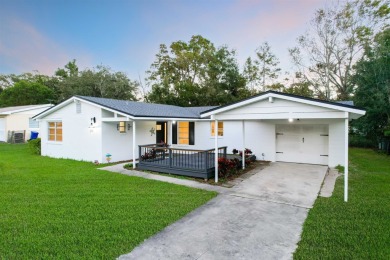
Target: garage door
302, 143
2, 130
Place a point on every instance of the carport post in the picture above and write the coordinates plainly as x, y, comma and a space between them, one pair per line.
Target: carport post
216, 149
346, 160
243, 144
134, 144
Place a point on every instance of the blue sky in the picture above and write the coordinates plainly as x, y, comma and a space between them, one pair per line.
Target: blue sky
44, 35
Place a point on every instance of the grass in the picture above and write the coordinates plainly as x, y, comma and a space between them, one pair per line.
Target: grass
360, 228
57, 208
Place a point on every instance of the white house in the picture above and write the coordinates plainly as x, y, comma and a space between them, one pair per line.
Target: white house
276, 126
19, 119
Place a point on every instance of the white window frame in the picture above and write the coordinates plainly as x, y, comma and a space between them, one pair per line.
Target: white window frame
56, 128
220, 129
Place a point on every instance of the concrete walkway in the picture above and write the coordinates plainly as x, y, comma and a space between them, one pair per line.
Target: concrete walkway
189, 183
260, 218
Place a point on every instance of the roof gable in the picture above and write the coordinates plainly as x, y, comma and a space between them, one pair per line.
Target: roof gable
276, 95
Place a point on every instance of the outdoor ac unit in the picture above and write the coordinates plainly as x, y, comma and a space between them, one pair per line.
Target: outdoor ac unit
16, 137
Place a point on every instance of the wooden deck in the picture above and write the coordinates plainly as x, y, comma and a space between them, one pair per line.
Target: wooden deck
186, 162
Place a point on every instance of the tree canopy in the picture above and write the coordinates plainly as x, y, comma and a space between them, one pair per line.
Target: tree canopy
263, 69
326, 53
100, 81
373, 87
26, 93
195, 74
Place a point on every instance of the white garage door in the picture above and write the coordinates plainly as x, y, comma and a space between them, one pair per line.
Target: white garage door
2, 130
302, 143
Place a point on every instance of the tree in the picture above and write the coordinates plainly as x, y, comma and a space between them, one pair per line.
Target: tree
300, 88
195, 74
326, 53
71, 70
100, 81
9, 80
373, 87
263, 70
25, 93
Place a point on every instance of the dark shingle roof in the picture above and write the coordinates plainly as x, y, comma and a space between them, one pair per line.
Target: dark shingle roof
141, 109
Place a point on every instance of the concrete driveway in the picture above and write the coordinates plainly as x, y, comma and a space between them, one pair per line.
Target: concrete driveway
260, 218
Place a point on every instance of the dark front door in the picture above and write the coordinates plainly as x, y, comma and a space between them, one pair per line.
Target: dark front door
161, 132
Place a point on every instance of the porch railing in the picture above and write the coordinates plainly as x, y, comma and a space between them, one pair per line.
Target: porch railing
188, 162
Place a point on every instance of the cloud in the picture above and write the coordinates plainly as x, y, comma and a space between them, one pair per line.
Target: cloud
23, 49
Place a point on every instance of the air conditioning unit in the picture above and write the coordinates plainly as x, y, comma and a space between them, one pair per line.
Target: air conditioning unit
16, 137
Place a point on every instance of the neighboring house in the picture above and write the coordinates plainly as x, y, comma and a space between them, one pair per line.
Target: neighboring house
19, 119
277, 127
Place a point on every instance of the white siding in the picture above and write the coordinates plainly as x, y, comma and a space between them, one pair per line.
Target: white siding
120, 145
336, 143
80, 142
20, 122
279, 109
3, 137
260, 137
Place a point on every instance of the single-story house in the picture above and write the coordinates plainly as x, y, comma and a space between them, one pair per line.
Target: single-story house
18, 119
275, 126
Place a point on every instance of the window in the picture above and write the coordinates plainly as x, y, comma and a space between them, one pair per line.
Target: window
33, 123
220, 128
184, 135
55, 131
122, 127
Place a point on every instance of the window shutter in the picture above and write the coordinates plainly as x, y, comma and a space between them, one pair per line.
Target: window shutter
192, 133
174, 133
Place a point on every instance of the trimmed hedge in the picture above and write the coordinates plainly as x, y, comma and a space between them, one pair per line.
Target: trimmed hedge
362, 142
35, 146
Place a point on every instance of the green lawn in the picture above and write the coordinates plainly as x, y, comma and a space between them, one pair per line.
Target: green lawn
359, 229
55, 208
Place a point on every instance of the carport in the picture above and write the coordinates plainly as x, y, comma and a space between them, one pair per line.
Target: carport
299, 129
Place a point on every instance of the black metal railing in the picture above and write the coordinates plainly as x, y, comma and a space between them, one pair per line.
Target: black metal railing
179, 161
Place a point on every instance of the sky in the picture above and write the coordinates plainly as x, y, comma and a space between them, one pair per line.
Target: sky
125, 35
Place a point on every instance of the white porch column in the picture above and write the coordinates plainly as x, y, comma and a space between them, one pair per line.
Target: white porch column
216, 149
169, 139
134, 144
243, 144
346, 160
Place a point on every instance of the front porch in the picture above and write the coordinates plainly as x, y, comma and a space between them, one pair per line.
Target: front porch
186, 162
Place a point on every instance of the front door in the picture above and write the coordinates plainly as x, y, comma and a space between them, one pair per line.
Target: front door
161, 132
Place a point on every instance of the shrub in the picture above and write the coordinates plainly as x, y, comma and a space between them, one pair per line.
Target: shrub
227, 167
361, 141
35, 146
128, 166
149, 155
